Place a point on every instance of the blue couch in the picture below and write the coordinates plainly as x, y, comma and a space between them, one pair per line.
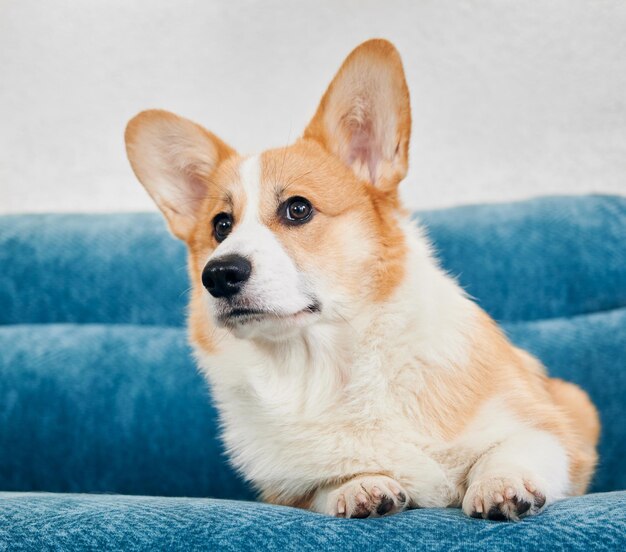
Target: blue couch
108, 438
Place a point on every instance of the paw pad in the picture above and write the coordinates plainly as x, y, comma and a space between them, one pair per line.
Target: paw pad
368, 496
501, 499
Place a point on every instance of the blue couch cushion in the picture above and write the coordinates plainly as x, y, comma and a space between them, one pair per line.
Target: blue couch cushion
90, 522
107, 408
109, 269
113, 408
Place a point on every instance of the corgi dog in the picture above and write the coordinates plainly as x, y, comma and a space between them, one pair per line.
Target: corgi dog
353, 376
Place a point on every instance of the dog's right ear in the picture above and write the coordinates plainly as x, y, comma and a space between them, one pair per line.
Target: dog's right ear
174, 159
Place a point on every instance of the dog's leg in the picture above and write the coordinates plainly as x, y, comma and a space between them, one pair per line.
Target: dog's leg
370, 495
517, 477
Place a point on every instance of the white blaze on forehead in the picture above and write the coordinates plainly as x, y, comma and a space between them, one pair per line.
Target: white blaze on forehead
250, 175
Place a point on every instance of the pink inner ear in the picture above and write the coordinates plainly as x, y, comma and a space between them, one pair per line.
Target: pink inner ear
189, 191
363, 146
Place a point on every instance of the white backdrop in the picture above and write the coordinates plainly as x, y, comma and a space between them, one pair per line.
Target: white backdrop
510, 98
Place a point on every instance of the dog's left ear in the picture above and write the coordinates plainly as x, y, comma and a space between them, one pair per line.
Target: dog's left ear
365, 115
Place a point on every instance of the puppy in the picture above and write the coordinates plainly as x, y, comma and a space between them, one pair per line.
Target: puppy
353, 376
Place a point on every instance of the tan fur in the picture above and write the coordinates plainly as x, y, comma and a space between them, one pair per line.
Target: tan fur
402, 343
584, 430
356, 76
556, 406
560, 408
163, 147
341, 200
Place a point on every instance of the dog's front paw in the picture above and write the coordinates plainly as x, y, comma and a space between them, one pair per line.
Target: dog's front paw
503, 498
367, 496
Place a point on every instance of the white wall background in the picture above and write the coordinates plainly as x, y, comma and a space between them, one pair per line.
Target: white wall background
510, 98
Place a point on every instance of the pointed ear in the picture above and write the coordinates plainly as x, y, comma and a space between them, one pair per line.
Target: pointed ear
174, 158
364, 117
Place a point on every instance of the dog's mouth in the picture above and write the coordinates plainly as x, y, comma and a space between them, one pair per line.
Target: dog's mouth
236, 316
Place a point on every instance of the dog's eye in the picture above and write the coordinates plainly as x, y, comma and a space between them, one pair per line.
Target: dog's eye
297, 210
222, 225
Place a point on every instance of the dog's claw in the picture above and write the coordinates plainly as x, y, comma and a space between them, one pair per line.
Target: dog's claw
368, 496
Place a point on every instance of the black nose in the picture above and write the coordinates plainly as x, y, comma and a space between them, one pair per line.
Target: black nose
224, 277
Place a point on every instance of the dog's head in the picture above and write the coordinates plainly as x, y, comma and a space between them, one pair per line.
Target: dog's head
294, 236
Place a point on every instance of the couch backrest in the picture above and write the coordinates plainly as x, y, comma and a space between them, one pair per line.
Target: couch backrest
544, 258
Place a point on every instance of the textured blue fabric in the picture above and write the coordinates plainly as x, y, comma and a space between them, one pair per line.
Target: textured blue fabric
116, 268
544, 258
112, 408
107, 408
98, 392
535, 259
90, 522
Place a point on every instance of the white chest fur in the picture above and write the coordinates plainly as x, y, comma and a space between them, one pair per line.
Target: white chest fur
345, 399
